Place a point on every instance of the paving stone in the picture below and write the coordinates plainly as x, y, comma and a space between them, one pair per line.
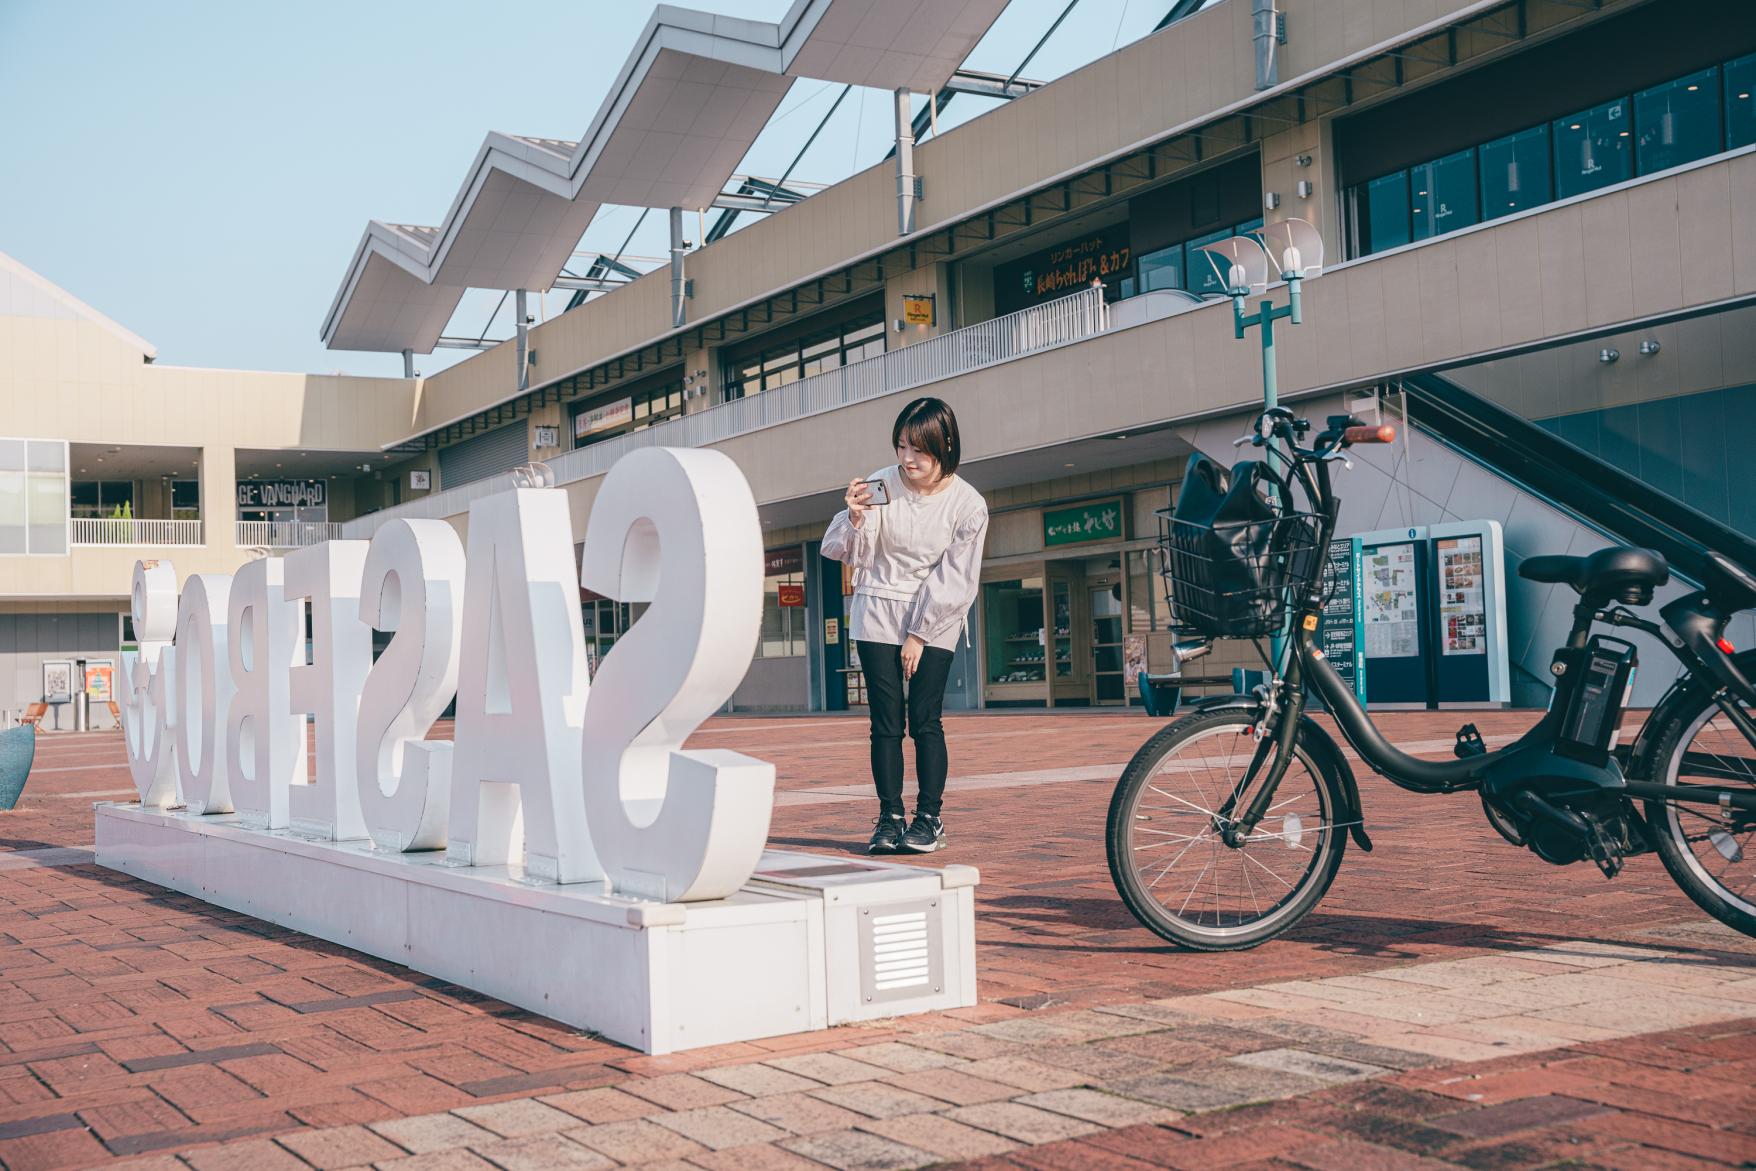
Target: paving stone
1358, 1156
680, 1091
341, 1146
249, 1155
799, 1113
718, 1127
1023, 1073
1212, 1087
1101, 1062
952, 1085
1308, 1064
432, 1132
876, 1099
967, 1045
856, 1150
635, 1140
828, 1068
452, 1160
1519, 1114
758, 1080
902, 1058
602, 1104
940, 1135
1025, 1124
517, 1118
544, 1152
1099, 1107
762, 1157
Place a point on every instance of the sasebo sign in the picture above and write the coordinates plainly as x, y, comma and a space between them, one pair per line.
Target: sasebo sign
578, 780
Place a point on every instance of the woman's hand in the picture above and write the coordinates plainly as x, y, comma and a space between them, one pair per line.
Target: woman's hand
858, 500
912, 646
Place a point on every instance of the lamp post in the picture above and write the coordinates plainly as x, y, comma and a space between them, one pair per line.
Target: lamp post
1294, 249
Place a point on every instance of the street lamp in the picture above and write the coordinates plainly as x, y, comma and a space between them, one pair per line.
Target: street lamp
1294, 249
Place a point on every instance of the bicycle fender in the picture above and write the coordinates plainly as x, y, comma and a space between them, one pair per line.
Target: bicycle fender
1323, 749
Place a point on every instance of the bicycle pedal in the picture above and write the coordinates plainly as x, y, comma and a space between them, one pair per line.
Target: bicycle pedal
1469, 743
1603, 849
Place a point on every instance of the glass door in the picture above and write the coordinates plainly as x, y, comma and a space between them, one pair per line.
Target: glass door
1108, 684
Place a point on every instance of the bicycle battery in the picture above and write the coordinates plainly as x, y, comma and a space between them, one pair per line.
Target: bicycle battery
1603, 680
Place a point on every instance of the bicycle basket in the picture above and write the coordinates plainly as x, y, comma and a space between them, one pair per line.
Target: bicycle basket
1234, 560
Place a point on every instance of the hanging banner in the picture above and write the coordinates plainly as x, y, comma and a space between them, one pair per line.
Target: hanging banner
791, 595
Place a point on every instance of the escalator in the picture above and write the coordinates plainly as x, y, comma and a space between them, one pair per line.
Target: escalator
1597, 492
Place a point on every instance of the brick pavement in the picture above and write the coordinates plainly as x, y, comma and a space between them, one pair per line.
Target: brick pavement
136, 1022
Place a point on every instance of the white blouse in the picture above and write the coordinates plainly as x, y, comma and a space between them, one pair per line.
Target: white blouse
918, 561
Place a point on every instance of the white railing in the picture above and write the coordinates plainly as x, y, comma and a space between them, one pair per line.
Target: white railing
87, 530
285, 534
1072, 318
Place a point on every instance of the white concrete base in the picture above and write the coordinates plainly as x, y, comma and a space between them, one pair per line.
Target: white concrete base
810, 941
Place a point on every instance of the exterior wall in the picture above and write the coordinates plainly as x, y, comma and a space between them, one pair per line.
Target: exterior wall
773, 685
32, 633
1176, 78
72, 378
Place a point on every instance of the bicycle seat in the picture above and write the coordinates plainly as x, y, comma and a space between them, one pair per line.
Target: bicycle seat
1622, 573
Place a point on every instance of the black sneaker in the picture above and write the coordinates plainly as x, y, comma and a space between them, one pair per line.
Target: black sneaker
887, 838
925, 834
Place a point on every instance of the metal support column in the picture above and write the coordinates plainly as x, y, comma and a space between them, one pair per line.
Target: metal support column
523, 353
1267, 30
679, 283
905, 164
408, 363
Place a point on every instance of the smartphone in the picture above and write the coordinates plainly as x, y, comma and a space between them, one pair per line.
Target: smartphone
880, 494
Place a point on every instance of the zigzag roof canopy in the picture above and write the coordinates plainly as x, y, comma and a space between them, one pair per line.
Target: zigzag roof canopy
685, 109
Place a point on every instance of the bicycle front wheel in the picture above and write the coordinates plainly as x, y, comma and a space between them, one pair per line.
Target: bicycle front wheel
1169, 862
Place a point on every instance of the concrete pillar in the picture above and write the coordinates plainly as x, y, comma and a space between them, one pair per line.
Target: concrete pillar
408, 363
219, 496
905, 164
702, 379
929, 280
1305, 155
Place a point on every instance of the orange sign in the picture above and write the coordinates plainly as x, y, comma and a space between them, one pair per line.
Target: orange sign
917, 308
791, 595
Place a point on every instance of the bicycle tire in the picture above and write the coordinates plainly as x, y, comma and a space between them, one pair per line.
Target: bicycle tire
1667, 828
1147, 910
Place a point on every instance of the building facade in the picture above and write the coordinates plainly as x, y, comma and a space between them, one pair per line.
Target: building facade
1508, 193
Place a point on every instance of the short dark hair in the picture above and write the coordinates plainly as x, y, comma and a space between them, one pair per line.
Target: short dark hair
930, 425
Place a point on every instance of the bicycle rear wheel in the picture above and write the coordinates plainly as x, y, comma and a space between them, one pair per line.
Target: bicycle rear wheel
1710, 852
1166, 855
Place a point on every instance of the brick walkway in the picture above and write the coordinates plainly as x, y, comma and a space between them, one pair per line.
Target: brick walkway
1453, 997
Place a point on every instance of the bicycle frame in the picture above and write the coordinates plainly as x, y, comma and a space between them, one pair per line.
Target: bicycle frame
1512, 769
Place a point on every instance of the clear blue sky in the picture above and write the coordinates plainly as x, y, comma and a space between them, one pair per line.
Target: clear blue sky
201, 170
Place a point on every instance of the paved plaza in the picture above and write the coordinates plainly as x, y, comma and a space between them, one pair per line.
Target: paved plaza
1454, 1001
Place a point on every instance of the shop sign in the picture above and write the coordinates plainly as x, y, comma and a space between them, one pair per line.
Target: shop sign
832, 632
616, 414
776, 562
58, 681
100, 677
791, 595
1101, 521
548, 437
917, 308
1066, 268
282, 494
420, 480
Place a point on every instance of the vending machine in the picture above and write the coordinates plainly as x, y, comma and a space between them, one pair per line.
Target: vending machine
1430, 621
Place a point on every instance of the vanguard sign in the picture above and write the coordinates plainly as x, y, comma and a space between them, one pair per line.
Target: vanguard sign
580, 781
566, 821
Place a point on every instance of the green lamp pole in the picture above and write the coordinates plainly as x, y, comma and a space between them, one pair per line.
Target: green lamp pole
1266, 315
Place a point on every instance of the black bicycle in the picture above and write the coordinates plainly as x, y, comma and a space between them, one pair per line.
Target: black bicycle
1229, 825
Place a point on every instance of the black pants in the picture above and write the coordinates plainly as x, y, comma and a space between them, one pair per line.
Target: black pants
882, 664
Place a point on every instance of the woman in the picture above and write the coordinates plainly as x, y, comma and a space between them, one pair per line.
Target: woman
916, 542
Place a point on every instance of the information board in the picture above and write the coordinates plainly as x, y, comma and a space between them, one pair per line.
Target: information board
1339, 633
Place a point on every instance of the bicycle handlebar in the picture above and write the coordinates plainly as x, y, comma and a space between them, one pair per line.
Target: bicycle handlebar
1369, 434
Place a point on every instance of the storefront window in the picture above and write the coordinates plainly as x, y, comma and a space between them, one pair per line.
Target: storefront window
644, 405
812, 353
1202, 277
1013, 630
783, 604
1740, 78
1159, 270
1677, 122
33, 496
101, 498
1386, 208
1444, 195
1591, 149
1515, 173
186, 500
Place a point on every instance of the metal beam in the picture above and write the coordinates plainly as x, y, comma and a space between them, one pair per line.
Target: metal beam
587, 284
988, 85
466, 343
